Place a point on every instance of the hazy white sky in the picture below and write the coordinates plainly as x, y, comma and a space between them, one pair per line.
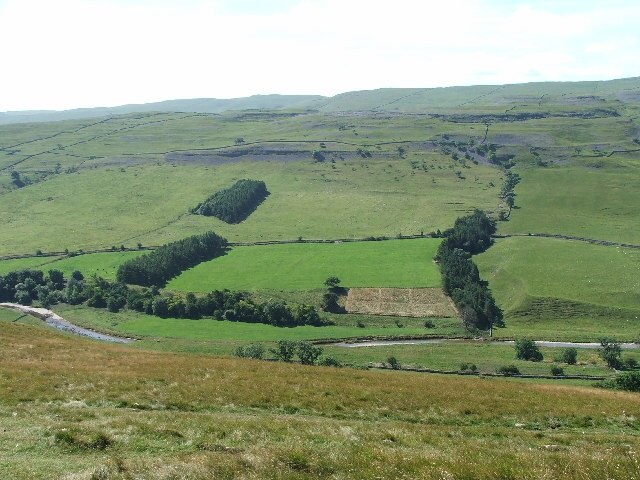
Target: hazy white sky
59, 54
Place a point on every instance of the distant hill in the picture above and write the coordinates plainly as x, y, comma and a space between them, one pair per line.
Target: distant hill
590, 94
195, 105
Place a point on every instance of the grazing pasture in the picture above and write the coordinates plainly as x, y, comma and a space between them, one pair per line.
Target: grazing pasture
392, 263
553, 288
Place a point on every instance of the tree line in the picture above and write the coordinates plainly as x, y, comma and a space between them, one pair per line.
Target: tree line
26, 286
470, 235
236, 203
164, 263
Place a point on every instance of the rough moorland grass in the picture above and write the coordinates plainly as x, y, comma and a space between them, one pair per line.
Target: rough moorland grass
191, 416
598, 203
564, 289
394, 263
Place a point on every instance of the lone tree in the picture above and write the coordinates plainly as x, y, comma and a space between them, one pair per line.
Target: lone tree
570, 356
528, 350
611, 353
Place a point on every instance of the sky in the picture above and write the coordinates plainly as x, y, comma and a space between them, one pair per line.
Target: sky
83, 53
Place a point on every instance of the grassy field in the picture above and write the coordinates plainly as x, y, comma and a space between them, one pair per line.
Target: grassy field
102, 264
564, 289
109, 207
223, 336
594, 202
74, 407
396, 263
487, 356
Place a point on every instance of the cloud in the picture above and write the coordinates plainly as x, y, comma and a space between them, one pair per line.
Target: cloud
73, 53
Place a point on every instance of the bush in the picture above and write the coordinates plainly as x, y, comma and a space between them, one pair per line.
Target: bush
308, 353
508, 370
285, 350
255, 351
570, 356
629, 381
394, 363
429, 324
528, 350
611, 353
557, 371
329, 362
631, 364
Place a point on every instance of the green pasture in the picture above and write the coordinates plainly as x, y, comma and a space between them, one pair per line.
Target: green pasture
553, 288
150, 204
393, 263
487, 356
591, 202
225, 334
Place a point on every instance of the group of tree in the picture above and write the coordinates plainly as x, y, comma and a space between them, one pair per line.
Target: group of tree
26, 286
159, 266
218, 304
234, 204
286, 351
470, 235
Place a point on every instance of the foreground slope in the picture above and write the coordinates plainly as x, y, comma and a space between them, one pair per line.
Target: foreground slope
73, 407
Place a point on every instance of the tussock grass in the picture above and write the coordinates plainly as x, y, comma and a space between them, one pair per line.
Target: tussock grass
192, 416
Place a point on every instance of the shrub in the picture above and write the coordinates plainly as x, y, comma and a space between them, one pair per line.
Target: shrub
360, 324
570, 356
329, 362
557, 371
255, 351
429, 324
285, 350
610, 352
631, 363
528, 350
308, 353
629, 381
508, 370
394, 363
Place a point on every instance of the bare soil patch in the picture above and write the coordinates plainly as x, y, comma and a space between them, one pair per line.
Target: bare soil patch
401, 302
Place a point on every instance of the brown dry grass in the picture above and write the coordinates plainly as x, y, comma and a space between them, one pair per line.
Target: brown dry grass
194, 416
402, 302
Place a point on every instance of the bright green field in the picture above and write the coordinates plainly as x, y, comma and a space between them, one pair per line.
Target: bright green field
564, 289
394, 263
